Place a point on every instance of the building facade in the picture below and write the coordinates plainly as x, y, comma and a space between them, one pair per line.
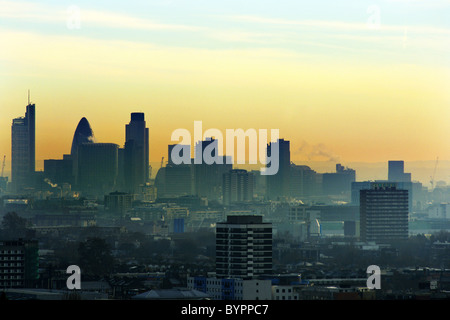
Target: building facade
339, 182
304, 182
119, 202
59, 171
207, 175
23, 149
136, 153
83, 134
396, 171
19, 263
233, 288
383, 213
278, 185
97, 168
237, 186
243, 247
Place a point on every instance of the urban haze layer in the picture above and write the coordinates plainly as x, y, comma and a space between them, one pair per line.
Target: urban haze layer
201, 230
212, 192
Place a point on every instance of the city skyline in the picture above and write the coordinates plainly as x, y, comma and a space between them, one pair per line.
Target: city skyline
228, 151
421, 170
360, 82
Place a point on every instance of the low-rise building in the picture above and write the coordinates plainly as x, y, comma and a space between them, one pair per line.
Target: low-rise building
232, 288
19, 263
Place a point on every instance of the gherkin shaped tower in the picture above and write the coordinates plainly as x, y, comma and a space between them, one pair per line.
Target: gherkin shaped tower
83, 134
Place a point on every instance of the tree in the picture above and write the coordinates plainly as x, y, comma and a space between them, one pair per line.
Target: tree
12, 221
95, 257
15, 226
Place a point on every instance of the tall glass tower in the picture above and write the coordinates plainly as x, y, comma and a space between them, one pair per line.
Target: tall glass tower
83, 135
23, 149
136, 155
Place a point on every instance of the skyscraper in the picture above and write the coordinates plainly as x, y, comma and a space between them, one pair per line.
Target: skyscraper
278, 185
243, 247
83, 134
23, 149
136, 153
383, 212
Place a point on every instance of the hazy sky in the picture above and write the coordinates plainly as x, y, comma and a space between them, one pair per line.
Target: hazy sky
342, 80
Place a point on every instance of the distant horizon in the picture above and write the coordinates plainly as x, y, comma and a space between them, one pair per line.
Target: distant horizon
364, 170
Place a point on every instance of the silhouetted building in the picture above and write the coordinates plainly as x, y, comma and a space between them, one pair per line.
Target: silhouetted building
19, 267
136, 154
59, 171
340, 182
396, 172
304, 182
208, 176
383, 213
119, 202
237, 186
243, 247
259, 184
175, 180
97, 168
83, 134
23, 149
278, 185
179, 178
121, 169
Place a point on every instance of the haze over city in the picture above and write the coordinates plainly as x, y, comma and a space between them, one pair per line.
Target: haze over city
362, 81
235, 151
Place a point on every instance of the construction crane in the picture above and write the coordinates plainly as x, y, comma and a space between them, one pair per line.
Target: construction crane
434, 173
3, 165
